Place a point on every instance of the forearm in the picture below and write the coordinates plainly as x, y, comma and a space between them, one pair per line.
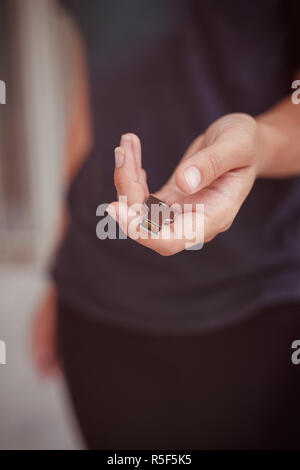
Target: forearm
279, 131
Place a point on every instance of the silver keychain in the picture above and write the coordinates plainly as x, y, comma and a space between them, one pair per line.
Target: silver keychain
158, 213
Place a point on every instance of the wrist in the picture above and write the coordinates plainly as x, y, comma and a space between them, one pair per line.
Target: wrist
272, 144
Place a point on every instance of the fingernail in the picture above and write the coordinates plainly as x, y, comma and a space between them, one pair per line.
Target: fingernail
126, 141
119, 156
192, 177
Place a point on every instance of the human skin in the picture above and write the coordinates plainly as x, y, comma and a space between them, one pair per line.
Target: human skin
230, 155
218, 170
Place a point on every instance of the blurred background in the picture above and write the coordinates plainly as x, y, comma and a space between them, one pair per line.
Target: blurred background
36, 66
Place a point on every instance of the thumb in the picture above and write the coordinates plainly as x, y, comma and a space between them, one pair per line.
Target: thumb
229, 151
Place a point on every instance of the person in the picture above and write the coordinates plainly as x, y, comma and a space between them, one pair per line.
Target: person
162, 347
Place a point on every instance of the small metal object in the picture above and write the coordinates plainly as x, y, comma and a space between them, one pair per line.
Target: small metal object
158, 214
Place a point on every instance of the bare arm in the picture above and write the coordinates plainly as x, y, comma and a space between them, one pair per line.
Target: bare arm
218, 171
279, 129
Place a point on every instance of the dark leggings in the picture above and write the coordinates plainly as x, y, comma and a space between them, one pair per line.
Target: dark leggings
236, 388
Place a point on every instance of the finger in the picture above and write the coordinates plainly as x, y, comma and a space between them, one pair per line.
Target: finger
169, 193
209, 213
172, 238
143, 181
126, 176
207, 165
129, 165
195, 146
137, 150
222, 200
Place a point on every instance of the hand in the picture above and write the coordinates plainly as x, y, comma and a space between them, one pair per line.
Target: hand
44, 334
218, 170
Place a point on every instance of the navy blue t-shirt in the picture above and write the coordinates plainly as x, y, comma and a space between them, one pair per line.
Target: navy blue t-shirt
166, 69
